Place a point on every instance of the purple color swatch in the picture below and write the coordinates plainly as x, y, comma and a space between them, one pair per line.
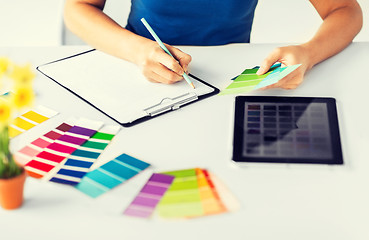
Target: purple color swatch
73, 140
149, 196
82, 131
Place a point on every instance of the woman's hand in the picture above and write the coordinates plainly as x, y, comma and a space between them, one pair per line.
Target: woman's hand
289, 55
158, 66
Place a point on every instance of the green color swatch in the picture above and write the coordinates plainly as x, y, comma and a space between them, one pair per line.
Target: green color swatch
248, 80
182, 199
103, 136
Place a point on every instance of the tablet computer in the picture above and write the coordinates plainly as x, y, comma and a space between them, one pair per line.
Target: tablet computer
286, 130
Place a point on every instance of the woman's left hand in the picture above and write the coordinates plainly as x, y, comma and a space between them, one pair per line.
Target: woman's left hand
289, 55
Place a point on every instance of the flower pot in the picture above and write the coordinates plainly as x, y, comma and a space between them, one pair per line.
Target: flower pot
11, 191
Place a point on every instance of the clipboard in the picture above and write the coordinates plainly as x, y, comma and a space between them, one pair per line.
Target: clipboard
118, 89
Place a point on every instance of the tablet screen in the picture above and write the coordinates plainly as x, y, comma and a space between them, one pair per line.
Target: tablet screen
286, 130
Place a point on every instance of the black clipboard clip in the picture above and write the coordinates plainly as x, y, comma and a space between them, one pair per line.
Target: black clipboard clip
168, 104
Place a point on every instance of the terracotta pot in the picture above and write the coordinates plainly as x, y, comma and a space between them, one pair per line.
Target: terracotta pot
11, 191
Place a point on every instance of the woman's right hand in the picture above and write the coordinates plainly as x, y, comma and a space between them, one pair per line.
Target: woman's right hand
158, 66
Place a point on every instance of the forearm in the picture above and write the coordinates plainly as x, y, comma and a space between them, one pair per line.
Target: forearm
337, 31
100, 31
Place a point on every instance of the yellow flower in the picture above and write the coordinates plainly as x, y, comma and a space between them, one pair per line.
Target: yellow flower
22, 75
5, 112
22, 96
4, 65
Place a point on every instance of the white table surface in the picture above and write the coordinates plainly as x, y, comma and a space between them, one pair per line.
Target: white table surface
277, 201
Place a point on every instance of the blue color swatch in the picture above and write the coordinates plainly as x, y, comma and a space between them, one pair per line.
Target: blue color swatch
110, 175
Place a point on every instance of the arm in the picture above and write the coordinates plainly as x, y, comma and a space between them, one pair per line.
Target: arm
342, 21
86, 19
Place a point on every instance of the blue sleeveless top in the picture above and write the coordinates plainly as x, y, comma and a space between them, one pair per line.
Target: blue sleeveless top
194, 22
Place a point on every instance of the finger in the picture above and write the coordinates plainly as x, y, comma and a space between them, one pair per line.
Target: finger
156, 78
290, 87
275, 85
152, 80
149, 75
168, 61
290, 84
272, 58
183, 58
162, 74
291, 81
168, 75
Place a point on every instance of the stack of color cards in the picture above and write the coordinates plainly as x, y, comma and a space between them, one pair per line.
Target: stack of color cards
182, 194
56, 153
30, 119
79, 162
248, 80
65, 154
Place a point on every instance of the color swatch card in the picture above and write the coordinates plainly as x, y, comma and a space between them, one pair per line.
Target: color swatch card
29, 120
194, 193
110, 175
80, 161
183, 197
276, 75
42, 165
27, 153
248, 80
145, 202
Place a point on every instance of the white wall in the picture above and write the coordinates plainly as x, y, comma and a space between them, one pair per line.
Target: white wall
291, 21
30, 22
39, 22
116, 9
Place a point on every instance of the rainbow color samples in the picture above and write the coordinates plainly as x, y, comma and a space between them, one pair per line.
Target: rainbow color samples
66, 153
182, 194
43, 164
79, 162
248, 80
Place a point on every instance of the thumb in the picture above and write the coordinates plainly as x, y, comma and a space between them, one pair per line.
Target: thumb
268, 62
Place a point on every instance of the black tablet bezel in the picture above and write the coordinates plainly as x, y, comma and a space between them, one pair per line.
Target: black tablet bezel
238, 133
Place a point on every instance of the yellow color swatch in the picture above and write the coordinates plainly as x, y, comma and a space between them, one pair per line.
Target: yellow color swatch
36, 117
14, 132
23, 124
30, 119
